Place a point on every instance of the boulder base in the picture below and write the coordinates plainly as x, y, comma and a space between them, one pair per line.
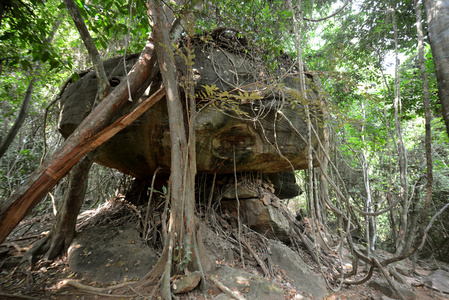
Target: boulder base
295, 268
111, 254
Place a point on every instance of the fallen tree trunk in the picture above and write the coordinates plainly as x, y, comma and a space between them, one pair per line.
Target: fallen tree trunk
77, 145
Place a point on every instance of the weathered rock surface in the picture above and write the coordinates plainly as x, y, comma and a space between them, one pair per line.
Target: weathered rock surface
230, 191
438, 280
259, 134
303, 278
263, 218
248, 285
187, 283
223, 296
114, 254
384, 287
218, 248
266, 219
108, 254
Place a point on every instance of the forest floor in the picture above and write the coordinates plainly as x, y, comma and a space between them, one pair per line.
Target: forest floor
48, 280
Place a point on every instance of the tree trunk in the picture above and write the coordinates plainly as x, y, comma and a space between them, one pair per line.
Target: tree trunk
426, 100
369, 220
103, 82
182, 245
402, 155
77, 145
437, 12
63, 230
23, 113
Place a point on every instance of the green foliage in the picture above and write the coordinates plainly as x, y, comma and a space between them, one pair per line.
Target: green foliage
23, 34
411, 86
224, 100
110, 20
350, 53
267, 23
186, 256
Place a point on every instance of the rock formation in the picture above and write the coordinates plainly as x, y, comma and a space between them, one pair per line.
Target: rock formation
250, 119
246, 113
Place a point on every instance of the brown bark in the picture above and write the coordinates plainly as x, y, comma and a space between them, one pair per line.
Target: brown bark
437, 12
82, 141
182, 240
402, 155
63, 230
23, 113
428, 114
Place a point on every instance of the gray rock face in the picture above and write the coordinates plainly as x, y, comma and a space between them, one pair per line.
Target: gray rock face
242, 191
111, 254
248, 285
187, 283
223, 296
216, 247
78, 98
438, 280
258, 133
303, 279
266, 219
384, 287
260, 214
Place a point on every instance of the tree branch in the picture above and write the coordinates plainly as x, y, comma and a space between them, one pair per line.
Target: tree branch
330, 16
103, 82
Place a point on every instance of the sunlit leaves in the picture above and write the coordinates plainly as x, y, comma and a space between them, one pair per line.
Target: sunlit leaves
113, 20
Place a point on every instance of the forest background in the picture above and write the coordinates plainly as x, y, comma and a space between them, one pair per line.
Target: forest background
375, 112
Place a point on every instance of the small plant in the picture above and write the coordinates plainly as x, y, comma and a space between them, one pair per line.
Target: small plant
187, 257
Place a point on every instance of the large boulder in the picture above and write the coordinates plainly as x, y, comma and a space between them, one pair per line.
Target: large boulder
247, 285
264, 218
438, 280
384, 287
258, 207
111, 254
303, 278
259, 124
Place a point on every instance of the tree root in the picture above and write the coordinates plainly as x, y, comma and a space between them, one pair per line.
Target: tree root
362, 281
254, 254
17, 296
99, 291
225, 289
388, 278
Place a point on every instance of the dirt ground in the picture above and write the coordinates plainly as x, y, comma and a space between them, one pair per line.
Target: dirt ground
54, 280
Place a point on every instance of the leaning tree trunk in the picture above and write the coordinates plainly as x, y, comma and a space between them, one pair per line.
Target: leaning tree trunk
63, 230
23, 113
77, 145
437, 12
103, 82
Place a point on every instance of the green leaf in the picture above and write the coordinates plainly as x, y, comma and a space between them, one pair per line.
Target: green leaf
26, 64
75, 77
54, 64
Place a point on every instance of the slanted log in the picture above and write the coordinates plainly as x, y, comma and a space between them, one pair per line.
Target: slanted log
78, 144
